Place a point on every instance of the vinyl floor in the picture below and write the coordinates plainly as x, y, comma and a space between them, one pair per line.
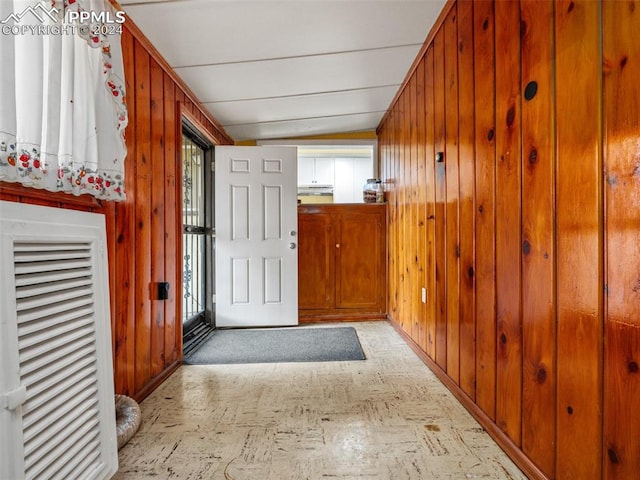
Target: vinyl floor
387, 417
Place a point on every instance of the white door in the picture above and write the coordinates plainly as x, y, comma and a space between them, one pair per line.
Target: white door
256, 218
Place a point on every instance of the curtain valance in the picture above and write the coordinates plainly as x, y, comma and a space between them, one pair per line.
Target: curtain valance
62, 105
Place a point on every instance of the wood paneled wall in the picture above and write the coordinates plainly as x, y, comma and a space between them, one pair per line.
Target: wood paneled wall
144, 233
511, 162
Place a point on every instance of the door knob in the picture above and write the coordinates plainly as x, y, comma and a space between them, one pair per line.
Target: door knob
337, 245
292, 246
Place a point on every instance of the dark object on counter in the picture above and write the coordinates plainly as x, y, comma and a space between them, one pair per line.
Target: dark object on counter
372, 191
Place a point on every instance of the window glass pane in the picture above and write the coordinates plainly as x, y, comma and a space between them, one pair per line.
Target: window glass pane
193, 219
192, 184
193, 275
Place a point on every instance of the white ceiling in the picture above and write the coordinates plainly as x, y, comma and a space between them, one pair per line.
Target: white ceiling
278, 69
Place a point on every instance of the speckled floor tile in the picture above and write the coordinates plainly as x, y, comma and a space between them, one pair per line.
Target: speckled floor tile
387, 417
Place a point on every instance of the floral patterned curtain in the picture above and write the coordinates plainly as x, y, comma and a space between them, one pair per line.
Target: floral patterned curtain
62, 109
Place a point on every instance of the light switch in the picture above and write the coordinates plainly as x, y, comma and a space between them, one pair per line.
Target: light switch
424, 295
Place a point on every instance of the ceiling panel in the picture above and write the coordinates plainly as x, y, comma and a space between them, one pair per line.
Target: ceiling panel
303, 106
301, 75
269, 69
310, 126
199, 32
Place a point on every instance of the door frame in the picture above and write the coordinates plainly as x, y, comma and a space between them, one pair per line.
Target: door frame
197, 131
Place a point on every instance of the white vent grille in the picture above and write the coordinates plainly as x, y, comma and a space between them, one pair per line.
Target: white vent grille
58, 365
57, 311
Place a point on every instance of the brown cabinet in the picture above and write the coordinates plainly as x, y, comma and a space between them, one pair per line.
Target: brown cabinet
341, 262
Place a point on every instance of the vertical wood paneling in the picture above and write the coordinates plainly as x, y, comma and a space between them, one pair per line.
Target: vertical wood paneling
399, 208
383, 173
148, 225
579, 252
546, 129
407, 224
622, 234
143, 201
186, 103
124, 361
406, 213
421, 206
398, 120
509, 359
466, 120
403, 228
431, 204
397, 175
391, 198
538, 252
452, 225
394, 268
440, 202
484, 77
411, 181
109, 211
158, 251
173, 226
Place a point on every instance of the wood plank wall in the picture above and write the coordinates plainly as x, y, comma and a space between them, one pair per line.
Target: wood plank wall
526, 235
144, 233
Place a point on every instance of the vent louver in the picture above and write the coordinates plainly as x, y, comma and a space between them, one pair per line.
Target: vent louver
57, 355
60, 357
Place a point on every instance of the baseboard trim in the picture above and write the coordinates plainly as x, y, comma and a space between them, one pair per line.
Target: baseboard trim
506, 444
145, 391
341, 317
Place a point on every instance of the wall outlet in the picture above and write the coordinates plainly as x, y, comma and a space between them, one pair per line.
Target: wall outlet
424, 295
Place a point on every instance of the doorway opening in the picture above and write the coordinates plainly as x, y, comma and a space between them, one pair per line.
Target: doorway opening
198, 236
332, 171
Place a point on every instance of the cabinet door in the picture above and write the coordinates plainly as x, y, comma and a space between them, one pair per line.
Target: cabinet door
306, 170
360, 260
316, 261
325, 171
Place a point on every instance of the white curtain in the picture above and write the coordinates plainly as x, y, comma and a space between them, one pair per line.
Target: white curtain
62, 107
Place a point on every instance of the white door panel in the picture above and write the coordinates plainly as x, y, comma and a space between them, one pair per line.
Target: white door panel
256, 239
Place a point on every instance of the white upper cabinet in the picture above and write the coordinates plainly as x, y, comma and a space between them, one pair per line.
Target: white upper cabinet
306, 170
315, 171
325, 171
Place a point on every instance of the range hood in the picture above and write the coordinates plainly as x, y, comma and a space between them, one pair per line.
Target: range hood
315, 189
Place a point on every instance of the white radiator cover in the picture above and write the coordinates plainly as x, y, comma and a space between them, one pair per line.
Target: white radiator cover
57, 409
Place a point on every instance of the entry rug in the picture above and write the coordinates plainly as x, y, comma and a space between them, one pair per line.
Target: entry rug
278, 345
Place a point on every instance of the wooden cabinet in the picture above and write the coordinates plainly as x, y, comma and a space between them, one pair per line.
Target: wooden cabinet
341, 262
316, 261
